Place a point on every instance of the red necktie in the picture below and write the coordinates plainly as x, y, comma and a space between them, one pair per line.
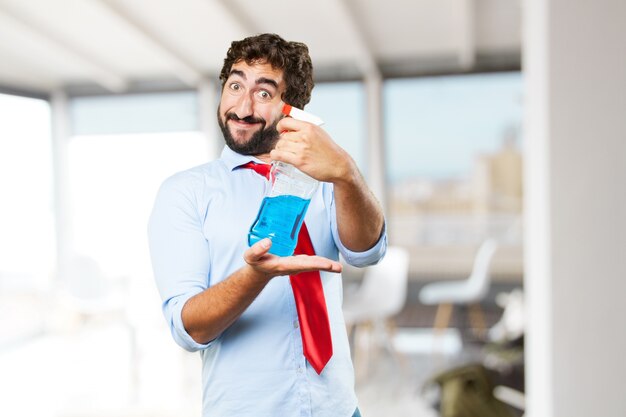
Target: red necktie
309, 296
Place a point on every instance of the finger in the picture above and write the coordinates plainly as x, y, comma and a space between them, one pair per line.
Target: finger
290, 146
255, 252
291, 136
284, 141
289, 123
285, 156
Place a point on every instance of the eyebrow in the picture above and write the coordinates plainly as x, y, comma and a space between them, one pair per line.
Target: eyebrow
269, 81
262, 80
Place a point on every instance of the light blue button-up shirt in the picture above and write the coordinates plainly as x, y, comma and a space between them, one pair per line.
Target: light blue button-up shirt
198, 233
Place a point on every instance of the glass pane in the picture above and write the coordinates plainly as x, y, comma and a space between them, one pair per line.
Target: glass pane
135, 113
454, 158
436, 126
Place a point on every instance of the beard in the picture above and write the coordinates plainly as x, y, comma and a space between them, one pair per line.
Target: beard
261, 141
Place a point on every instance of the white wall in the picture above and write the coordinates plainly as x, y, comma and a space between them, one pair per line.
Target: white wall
575, 69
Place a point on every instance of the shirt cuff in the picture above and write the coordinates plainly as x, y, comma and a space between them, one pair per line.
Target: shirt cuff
177, 328
368, 257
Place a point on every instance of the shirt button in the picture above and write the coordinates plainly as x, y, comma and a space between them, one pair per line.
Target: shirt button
300, 370
295, 324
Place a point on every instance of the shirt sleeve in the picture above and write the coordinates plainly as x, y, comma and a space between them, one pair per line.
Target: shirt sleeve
179, 253
358, 259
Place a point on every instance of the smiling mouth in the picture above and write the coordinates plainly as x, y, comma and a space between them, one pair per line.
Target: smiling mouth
242, 123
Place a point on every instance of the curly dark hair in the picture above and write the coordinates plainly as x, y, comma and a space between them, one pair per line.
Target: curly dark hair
291, 57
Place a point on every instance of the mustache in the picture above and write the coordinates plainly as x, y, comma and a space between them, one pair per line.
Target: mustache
247, 119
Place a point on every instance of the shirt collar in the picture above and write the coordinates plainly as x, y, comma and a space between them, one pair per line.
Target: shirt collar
233, 159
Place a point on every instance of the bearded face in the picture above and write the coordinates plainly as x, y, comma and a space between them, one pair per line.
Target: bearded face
250, 107
261, 142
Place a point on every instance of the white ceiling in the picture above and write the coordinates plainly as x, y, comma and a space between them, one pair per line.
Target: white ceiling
115, 45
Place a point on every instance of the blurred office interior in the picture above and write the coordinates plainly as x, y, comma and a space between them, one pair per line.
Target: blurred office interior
492, 132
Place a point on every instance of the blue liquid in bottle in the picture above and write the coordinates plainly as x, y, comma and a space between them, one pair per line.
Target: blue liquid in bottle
280, 219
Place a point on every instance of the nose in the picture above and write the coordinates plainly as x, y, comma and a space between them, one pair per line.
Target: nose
244, 106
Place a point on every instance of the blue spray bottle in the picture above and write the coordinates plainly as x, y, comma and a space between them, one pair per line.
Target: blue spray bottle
283, 209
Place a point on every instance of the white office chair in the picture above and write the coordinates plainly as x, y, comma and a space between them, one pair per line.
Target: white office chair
467, 292
369, 311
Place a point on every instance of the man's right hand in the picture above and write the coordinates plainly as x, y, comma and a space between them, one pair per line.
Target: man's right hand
207, 314
269, 265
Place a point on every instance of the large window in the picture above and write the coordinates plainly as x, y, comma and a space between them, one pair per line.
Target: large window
27, 246
453, 157
122, 150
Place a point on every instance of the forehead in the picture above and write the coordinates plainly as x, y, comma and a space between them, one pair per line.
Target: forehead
258, 71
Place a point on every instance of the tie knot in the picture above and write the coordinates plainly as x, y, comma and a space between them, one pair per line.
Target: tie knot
261, 169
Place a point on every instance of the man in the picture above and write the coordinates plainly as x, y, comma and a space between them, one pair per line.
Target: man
233, 303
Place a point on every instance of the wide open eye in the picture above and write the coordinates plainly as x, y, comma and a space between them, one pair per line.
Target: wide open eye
264, 95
